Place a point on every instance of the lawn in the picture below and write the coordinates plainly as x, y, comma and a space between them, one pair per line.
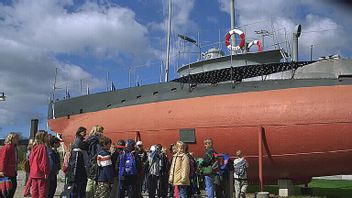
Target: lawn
321, 188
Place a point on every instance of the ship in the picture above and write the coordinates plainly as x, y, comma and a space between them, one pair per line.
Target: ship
292, 119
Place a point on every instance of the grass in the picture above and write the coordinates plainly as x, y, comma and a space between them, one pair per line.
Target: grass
321, 188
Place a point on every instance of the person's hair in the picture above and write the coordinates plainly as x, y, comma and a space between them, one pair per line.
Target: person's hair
53, 140
40, 138
159, 147
96, 129
104, 141
181, 145
10, 137
239, 153
130, 143
208, 140
171, 147
121, 142
80, 130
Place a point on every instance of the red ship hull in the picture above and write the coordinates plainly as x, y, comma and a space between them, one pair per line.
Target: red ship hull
308, 131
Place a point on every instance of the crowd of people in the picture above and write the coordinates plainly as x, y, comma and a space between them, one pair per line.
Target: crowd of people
95, 166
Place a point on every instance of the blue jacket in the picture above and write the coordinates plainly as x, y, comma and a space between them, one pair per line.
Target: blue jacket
106, 169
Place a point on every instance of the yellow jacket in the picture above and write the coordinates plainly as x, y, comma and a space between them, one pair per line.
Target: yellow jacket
179, 171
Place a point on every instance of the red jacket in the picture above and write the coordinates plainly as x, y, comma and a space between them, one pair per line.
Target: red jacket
39, 162
8, 160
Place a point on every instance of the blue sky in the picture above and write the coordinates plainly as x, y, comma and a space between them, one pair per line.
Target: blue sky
86, 40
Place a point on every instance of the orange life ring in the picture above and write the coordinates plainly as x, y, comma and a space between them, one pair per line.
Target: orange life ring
256, 42
228, 36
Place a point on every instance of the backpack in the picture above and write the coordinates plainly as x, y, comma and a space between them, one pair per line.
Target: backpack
222, 160
127, 164
240, 168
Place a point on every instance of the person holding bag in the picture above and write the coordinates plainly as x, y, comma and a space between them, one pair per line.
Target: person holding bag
9, 161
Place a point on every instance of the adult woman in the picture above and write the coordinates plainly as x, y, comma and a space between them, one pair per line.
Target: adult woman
9, 160
77, 175
93, 149
179, 171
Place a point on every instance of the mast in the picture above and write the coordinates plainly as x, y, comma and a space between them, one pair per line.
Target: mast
232, 12
168, 45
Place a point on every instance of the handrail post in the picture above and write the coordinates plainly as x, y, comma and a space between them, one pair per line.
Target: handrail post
260, 158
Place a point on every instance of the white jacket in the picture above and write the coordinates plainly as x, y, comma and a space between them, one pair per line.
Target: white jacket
241, 165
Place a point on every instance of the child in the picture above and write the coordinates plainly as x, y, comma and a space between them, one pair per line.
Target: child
39, 166
28, 182
105, 174
54, 159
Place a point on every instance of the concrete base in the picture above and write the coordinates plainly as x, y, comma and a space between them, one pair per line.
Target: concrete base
286, 187
262, 195
307, 191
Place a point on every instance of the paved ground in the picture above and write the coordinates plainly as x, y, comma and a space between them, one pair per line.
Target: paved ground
60, 186
20, 184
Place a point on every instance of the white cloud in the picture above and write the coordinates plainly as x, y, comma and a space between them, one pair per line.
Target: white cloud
32, 34
313, 15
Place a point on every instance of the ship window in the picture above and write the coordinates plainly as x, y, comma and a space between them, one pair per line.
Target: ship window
155, 93
345, 76
123, 101
174, 89
188, 135
138, 97
80, 110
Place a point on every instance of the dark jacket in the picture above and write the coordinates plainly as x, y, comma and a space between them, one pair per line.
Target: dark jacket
105, 170
77, 168
54, 162
115, 158
208, 157
93, 149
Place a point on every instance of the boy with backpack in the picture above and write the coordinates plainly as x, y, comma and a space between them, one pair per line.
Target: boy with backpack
115, 157
240, 174
105, 173
129, 166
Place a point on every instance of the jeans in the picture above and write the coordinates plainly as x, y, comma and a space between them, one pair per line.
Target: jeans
209, 185
152, 181
183, 191
52, 186
79, 189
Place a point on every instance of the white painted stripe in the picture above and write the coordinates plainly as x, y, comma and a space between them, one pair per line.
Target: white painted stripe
104, 160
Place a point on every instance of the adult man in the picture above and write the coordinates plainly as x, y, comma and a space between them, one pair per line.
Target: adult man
240, 174
208, 160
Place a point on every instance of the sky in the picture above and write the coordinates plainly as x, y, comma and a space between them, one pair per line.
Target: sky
91, 43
